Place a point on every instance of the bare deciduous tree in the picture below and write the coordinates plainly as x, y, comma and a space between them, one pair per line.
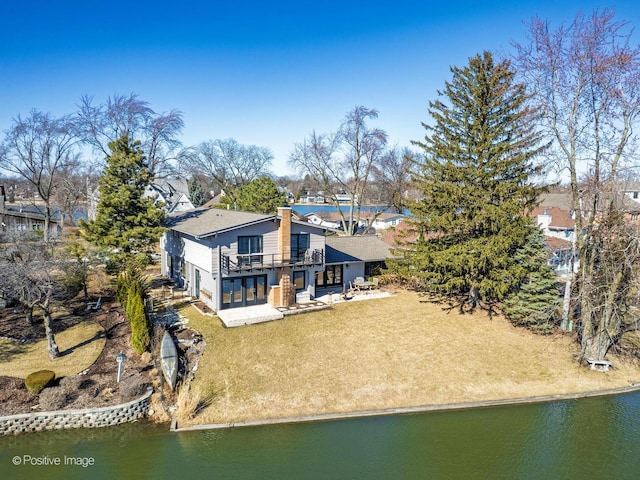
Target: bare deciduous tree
226, 163
343, 161
31, 277
39, 148
392, 179
122, 115
71, 189
585, 76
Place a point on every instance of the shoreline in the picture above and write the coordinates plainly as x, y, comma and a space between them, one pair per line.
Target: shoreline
323, 417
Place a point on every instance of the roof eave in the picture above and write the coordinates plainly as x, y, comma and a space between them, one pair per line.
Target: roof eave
235, 227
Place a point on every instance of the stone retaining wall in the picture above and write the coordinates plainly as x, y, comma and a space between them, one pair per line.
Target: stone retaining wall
86, 418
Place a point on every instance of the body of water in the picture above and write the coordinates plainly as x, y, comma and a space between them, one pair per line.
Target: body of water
306, 209
592, 438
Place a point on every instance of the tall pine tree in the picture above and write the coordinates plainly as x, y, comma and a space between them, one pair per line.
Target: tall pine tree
475, 184
127, 222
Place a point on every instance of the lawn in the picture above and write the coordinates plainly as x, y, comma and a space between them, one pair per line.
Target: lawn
383, 353
79, 346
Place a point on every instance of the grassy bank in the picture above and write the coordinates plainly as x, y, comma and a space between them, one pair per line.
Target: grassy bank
383, 353
79, 346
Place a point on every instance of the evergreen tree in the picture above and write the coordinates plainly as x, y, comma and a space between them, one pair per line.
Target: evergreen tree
140, 330
196, 193
475, 181
127, 222
535, 302
260, 195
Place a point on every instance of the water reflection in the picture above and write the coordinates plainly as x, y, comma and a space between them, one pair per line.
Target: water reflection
590, 438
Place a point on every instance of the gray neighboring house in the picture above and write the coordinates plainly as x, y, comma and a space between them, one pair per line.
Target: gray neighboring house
230, 259
173, 192
17, 218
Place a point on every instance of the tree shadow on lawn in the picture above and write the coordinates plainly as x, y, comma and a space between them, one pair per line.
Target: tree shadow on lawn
98, 335
9, 349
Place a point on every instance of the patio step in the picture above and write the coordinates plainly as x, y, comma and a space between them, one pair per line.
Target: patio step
238, 317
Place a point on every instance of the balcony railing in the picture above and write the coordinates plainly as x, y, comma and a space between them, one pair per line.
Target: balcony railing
263, 261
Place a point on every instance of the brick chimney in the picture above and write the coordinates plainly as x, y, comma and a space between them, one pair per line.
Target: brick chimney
284, 234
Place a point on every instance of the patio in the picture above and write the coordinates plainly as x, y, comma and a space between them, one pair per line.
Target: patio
237, 317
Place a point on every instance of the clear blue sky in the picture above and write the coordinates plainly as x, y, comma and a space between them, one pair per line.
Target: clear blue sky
264, 73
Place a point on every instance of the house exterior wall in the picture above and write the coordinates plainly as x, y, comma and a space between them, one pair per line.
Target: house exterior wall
184, 255
228, 241
16, 223
349, 274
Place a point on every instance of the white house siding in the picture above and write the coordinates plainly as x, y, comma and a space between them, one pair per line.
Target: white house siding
198, 253
197, 256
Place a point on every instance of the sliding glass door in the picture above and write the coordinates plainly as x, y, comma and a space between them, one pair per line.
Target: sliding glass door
244, 291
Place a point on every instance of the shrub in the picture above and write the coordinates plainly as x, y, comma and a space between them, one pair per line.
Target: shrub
132, 388
140, 330
36, 381
132, 289
54, 398
71, 383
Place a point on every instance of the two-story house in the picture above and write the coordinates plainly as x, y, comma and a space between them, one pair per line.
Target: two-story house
233, 259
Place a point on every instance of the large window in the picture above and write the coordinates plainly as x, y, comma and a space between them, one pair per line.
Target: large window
331, 276
247, 247
372, 269
299, 245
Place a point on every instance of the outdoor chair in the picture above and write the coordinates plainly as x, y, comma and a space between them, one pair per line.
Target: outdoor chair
94, 306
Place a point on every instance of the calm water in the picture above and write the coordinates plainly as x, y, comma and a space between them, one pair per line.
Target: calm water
597, 438
305, 209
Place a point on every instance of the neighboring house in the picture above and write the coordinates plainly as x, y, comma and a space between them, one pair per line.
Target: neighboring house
560, 254
325, 219
25, 218
322, 198
555, 222
233, 259
312, 198
384, 221
632, 190
173, 192
556, 218
374, 220
343, 198
348, 257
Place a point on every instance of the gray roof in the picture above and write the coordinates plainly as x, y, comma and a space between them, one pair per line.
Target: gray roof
560, 200
172, 185
363, 248
204, 221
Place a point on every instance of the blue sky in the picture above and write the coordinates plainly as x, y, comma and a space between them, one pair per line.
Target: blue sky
264, 73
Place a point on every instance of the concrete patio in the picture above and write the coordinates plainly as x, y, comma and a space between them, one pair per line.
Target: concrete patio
236, 317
